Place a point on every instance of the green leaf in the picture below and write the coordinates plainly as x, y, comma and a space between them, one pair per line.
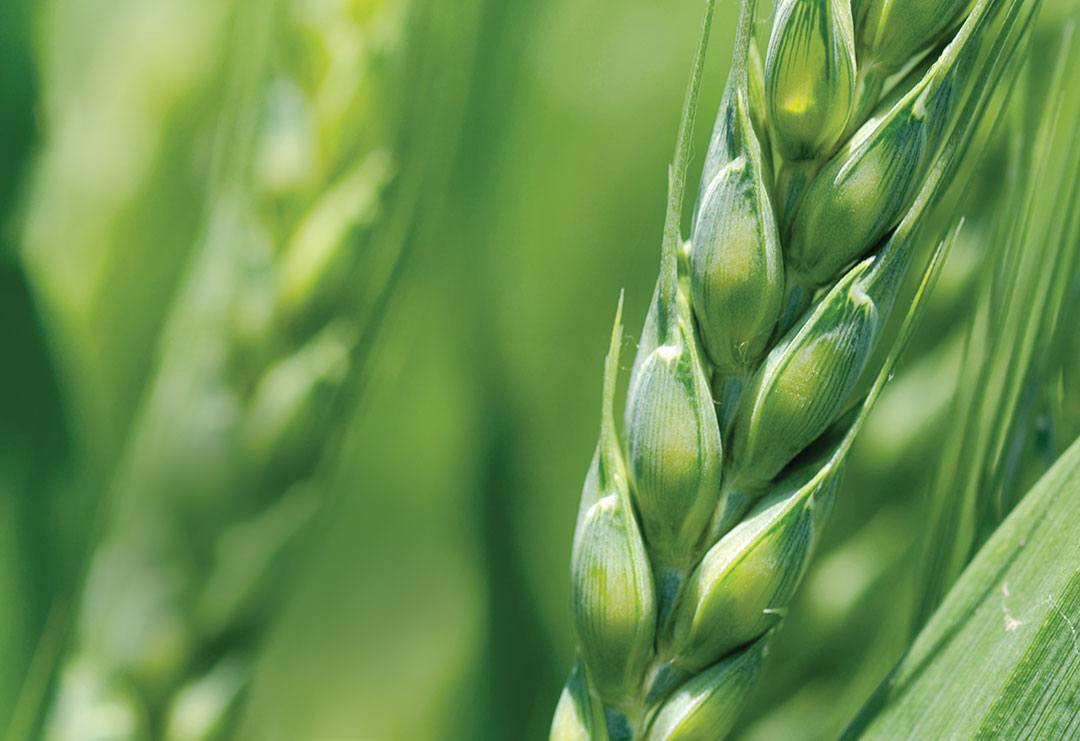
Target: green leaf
1001, 657
1011, 346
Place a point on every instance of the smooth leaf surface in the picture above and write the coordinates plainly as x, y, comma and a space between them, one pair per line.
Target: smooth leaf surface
1001, 657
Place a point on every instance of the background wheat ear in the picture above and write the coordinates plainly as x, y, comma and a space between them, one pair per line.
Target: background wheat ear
205, 511
732, 496
251, 359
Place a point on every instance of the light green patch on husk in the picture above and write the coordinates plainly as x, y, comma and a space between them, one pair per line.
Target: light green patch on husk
810, 76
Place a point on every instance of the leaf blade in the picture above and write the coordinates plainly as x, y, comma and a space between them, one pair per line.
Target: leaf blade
983, 660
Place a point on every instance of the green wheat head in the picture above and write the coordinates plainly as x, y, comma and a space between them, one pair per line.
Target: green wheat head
764, 332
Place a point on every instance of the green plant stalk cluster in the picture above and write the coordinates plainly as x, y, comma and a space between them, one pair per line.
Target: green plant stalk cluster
220, 473
697, 525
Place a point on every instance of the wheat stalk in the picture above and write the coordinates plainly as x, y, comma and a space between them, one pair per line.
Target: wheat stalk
695, 529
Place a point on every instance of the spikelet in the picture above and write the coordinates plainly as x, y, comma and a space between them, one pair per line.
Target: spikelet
744, 582
736, 267
673, 447
613, 605
806, 380
810, 76
707, 706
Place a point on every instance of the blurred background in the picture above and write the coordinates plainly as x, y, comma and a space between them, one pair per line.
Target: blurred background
304, 305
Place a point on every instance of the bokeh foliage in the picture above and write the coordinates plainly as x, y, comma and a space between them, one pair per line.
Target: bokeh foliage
430, 597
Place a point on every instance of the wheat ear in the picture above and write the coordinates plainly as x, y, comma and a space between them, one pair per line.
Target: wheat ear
697, 525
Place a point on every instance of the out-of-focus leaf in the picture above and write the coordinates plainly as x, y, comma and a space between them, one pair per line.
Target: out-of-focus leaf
1009, 351
1001, 657
117, 194
33, 432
